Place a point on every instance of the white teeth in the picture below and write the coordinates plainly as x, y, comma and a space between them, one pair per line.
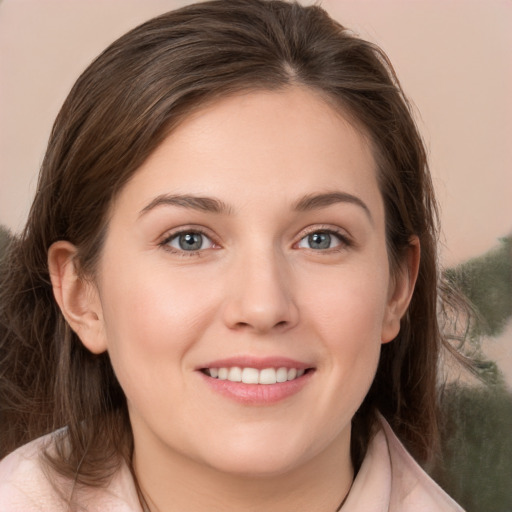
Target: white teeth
254, 376
291, 374
250, 376
282, 375
267, 376
235, 374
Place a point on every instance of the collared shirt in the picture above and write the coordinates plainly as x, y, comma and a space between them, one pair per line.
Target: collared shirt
389, 480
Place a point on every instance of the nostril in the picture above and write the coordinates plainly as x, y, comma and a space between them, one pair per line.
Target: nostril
242, 325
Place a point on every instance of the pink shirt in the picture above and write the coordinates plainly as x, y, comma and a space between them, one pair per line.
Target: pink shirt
389, 480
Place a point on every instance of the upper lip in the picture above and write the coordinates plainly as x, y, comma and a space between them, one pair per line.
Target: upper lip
259, 363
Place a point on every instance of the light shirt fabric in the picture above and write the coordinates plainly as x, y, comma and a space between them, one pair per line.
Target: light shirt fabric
389, 480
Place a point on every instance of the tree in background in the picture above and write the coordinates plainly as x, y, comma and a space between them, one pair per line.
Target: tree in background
476, 429
487, 282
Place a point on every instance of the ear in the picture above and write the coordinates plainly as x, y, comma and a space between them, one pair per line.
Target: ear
401, 290
78, 298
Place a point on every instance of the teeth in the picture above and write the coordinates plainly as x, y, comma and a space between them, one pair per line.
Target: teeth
250, 376
282, 375
254, 376
268, 376
235, 374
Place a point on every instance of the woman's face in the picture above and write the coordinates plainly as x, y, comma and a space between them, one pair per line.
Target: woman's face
250, 245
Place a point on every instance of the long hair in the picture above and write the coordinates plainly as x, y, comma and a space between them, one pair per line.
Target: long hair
120, 109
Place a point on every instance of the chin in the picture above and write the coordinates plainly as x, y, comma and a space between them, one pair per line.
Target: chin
262, 456
259, 465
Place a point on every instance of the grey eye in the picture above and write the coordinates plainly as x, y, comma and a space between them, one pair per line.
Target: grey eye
320, 240
190, 241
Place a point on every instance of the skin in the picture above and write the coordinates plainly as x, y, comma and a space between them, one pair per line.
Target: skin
256, 288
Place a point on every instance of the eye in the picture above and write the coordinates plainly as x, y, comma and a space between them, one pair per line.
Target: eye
322, 240
189, 241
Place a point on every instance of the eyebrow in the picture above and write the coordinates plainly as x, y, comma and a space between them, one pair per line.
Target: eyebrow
318, 201
210, 204
204, 204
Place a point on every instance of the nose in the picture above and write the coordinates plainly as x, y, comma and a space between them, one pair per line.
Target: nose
260, 295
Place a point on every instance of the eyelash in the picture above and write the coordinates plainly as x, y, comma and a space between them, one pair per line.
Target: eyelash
345, 241
180, 252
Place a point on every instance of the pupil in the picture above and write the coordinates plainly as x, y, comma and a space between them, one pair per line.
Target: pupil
320, 240
190, 241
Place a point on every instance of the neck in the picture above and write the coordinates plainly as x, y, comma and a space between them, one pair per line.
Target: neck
183, 485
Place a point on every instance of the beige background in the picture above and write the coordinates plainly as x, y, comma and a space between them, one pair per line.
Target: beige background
452, 56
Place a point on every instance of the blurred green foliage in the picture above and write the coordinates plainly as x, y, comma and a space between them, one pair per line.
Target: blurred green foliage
487, 282
475, 467
476, 448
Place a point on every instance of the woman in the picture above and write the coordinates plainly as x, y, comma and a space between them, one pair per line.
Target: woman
225, 294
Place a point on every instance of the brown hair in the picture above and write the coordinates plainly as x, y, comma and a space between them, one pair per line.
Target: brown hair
120, 109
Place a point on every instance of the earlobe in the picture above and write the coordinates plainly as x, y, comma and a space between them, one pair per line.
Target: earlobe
401, 290
77, 297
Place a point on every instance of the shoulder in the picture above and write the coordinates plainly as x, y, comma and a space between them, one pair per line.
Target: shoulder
390, 480
24, 485
412, 488
28, 485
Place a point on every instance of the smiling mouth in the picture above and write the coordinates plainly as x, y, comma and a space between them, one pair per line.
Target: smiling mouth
249, 375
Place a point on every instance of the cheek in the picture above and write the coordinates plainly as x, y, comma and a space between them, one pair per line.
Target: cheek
152, 318
348, 305
347, 313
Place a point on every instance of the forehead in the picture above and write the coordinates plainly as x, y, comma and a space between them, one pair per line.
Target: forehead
257, 146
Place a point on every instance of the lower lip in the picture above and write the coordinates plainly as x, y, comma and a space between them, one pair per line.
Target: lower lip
257, 394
